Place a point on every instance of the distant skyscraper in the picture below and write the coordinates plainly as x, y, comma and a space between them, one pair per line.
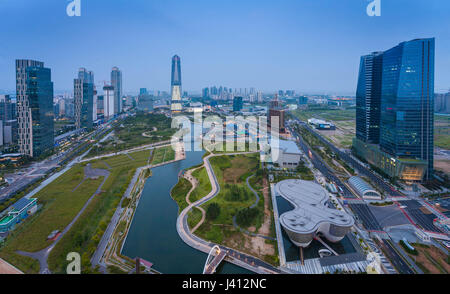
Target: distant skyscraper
260, 97
34, 107
405, 148
143, 91
116, 82
176, 84
237, 103
108, 101
83, 93
7, 108
368, 98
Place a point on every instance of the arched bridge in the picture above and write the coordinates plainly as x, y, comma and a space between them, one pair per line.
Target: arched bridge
215, 257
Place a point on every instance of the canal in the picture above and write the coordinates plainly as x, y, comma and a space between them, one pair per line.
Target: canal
153, 235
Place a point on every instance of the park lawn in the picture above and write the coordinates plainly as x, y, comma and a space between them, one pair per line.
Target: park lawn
89, 229
179, 192
60, 206
442, 131
159, 155
204, 185
222, 227
141, 156
194, 216
130, 132
87, 232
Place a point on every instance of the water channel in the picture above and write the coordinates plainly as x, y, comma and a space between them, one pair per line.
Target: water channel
153, 235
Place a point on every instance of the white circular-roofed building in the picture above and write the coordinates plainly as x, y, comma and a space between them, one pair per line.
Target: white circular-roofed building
311, 213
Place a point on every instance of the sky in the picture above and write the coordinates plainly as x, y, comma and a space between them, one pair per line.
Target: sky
311, 46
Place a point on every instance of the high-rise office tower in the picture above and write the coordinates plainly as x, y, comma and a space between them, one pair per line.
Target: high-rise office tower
176, 84
405, 149
7, 108
407, 105
116, 82
34, 107
108, 101
368, 98
83, 93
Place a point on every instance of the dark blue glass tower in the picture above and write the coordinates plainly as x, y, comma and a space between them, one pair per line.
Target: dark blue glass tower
39, 90
237, 103
368, 98
406, 126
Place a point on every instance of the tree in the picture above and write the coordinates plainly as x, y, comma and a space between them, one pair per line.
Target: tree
213, 211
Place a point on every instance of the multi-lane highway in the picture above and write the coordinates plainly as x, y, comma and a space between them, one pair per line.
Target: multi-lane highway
388, 189
39, 170
318, 163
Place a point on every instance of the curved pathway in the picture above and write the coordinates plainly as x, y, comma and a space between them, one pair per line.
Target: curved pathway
252, 206
188, 176
43, 254
239, 258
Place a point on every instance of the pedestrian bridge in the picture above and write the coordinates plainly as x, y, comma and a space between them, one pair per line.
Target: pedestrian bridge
215, 257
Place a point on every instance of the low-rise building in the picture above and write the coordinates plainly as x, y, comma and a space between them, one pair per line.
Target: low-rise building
364, 189
18, 212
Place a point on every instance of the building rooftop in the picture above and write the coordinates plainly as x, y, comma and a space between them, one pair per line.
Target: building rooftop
311, 210
289, 147
21, 204
363, 188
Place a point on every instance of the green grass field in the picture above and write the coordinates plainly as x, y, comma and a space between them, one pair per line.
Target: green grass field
179, 193
442, 131
204, 185
228, 169
60, 204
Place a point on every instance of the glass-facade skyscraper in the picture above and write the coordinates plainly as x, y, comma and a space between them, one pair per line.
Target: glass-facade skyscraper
34, 107
407, 105
368, 98
84, 99
116, 82
402, 111
176, 84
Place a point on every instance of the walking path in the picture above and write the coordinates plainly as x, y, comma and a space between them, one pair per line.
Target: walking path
132, 150
188, 176
236, 257
43, 254
252, 206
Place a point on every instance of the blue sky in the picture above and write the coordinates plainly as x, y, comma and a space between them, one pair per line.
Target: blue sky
306, 45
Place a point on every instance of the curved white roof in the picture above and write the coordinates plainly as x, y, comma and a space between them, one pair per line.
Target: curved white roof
363, 188
310, 202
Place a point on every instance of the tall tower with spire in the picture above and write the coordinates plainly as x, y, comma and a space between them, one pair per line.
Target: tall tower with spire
176, 84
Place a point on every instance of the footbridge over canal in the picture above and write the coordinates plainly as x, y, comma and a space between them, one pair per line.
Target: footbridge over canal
215, 257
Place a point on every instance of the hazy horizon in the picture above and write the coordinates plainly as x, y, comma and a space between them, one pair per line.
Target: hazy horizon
268, 45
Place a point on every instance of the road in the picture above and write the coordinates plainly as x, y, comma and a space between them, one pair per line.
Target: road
25, 177
319, 164
388, 189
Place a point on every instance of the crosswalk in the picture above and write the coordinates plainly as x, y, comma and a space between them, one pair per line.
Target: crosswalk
386, 264
313, 266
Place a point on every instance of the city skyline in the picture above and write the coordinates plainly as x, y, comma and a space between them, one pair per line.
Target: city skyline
270, 53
